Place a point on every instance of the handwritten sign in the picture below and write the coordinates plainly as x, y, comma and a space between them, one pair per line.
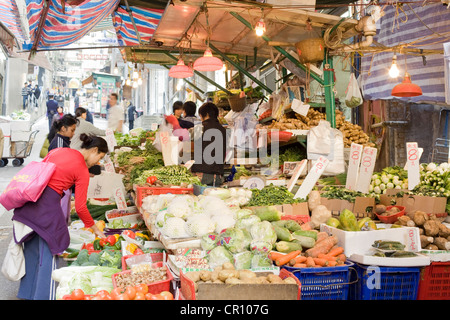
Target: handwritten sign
110, 139
109, 166
154, 126
314, 174
412, 164
189, 164
299, 168
353, 165
299, 107
169, 148
368, 159
120, 199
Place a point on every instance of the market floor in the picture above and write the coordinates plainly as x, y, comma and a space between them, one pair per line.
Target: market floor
9, 289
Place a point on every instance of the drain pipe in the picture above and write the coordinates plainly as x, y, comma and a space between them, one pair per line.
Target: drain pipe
367, 26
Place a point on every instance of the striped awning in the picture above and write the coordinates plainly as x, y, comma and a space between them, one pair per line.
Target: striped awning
146, 21
402, 27
65, 26
10, 18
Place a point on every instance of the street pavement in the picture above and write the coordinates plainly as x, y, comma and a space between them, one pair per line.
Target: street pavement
9, 289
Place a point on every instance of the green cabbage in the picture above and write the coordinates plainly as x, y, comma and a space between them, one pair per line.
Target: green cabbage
265, 231
209, 241
218, 256
234, 240
247, 222
243, 260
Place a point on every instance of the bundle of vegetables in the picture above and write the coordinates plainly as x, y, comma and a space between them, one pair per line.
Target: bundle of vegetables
97, 211
176, 175
292, 153
134, 137
332, 192
265, 114
105, 258
391, 249
435, 177
242, 172
227, 274
434, 234
272, 195
389, 178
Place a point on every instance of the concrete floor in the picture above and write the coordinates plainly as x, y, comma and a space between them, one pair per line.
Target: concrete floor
9, 289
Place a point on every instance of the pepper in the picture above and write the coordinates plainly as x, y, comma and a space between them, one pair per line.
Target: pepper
111, 240
97, 245
131, 247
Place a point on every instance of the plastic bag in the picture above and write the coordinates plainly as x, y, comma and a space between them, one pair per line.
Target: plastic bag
353, 96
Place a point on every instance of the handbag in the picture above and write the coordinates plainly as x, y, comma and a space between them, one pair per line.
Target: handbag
13, 267
27, 185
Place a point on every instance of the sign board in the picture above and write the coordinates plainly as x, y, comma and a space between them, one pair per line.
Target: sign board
353, 165
110, 139
299, 168
368, 158
109, 166
104, 185
119, 197
412, 164
300, 108
314, 174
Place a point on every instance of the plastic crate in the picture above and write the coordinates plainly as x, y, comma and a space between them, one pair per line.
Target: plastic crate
434, 283
324, 283
154, 287
142, 192
156, 257
187, 288
385, 283
300, 218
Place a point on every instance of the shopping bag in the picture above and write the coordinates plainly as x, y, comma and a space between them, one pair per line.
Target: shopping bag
27, 185
353, 96
44, 150
13, 267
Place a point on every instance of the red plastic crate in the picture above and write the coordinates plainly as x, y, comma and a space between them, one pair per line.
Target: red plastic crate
154, 287
187, 288
300, 218
142, 192
156, 257
434, 282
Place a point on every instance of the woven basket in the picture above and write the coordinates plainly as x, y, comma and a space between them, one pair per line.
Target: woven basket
237, 104
310, 50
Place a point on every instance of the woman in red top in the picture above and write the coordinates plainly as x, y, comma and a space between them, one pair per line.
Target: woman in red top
50, 236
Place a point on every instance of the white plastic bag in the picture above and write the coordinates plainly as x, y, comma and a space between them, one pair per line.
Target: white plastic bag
353, 97
13, 267
319, 141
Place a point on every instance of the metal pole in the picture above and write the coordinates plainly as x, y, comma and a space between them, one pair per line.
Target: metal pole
328, 73
132, 21
238, 67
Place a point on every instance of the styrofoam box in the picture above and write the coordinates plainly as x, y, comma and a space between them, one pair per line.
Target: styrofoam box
6, 147
20, 135
6, 128
368, 259
132, 218
21, 125
359, 242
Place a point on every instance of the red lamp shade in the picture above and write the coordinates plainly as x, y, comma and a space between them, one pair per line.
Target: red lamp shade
406, 88
208, 62
180, 71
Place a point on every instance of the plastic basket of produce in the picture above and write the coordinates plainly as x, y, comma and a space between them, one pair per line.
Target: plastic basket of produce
130, 215
282, 136
147, 273
188, 287
300, 218
324, 283
142, 192
146, 257
385, 283
434, 283
391, 214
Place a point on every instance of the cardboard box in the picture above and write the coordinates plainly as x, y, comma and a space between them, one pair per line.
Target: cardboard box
390, 197
6, 128
292, 209
359, 242
363, 206
424, 203
20, 135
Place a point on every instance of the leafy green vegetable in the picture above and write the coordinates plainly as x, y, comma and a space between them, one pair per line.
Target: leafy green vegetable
272, 195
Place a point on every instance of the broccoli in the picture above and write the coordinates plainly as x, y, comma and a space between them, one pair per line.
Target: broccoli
111, 258
82, 257
94, 258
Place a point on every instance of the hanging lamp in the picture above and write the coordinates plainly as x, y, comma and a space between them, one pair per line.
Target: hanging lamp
208, 62
116, 69
135, 72
180, 70
260, 27
128, 82
393, 71
406, 88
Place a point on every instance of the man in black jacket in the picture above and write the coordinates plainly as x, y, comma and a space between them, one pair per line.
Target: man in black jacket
210, 162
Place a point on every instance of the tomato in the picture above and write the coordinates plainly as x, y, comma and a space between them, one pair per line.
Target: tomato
123, 296
151, 179
139, 296
103, 295
115, 293
129, 233
167, 295
141, 288
131, 292
102, 242
156, 297
138, 251
77, 294
148, 296
111, 240
89, 246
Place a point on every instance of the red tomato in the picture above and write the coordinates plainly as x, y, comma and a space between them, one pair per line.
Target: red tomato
102, 242
115, 293
103, 295
167, 295
141, 288
129, 233
89, 246
77, 294
111, 240
151, 179
148, 296
123, 296
139, 296
131, 292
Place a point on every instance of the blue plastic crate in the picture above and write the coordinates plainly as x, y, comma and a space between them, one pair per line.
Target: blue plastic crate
324, 283
385, 283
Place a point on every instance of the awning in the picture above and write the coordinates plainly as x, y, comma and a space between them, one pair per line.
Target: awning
98, 77
10, 18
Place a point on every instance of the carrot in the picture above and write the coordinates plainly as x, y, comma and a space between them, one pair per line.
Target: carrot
310, 262
332, 263
342, 257
286, 258
321, 236
273, 255
335, 251
320, 262
300, 259
322, 247
306, 226
300, 265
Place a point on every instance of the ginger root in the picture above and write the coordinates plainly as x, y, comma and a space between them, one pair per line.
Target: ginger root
420, 217
431, 227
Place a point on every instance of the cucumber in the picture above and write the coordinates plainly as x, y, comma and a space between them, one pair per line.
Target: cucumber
306, 233
306, 242
283, 234
292, 225
280, 223
287, 246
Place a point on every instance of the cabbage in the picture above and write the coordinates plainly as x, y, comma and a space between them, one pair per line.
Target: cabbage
234, 240
136, 131
175, 228
209, 241
260, 246
222, 221
218, 256
214, 205
198, 225
220, 193
81, 281
247, 222
241, 213
161, 218
265, 231
243, 260
181, 206
261, 260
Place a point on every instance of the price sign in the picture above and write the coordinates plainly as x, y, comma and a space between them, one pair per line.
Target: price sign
110, 139
368, 158
154, 126
316, 171
299, 107
299, 167
412, 164
353, 165
189, 164
109, 166
120, 199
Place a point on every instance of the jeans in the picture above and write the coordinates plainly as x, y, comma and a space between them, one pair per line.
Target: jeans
24, 100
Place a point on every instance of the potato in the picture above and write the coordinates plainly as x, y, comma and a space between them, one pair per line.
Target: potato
215, 273
246, 274
228, 266
205, 275
273, 278
233, 280
225, 274
193, 275
217, 281
289, 280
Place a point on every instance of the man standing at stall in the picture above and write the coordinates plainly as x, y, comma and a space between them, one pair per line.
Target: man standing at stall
115, 114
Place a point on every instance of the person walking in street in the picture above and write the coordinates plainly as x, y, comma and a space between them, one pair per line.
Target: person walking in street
58, 115
52, 107
62, 131
115, 114
36, 95
25, 90
131, 113
50, 236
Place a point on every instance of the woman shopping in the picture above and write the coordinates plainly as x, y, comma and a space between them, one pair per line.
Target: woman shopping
50, 236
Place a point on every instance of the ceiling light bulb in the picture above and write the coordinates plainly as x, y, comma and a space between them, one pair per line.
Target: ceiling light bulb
139, 81
135, 84
224, 68
393, 71
116, 69
260, 27
128, 82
